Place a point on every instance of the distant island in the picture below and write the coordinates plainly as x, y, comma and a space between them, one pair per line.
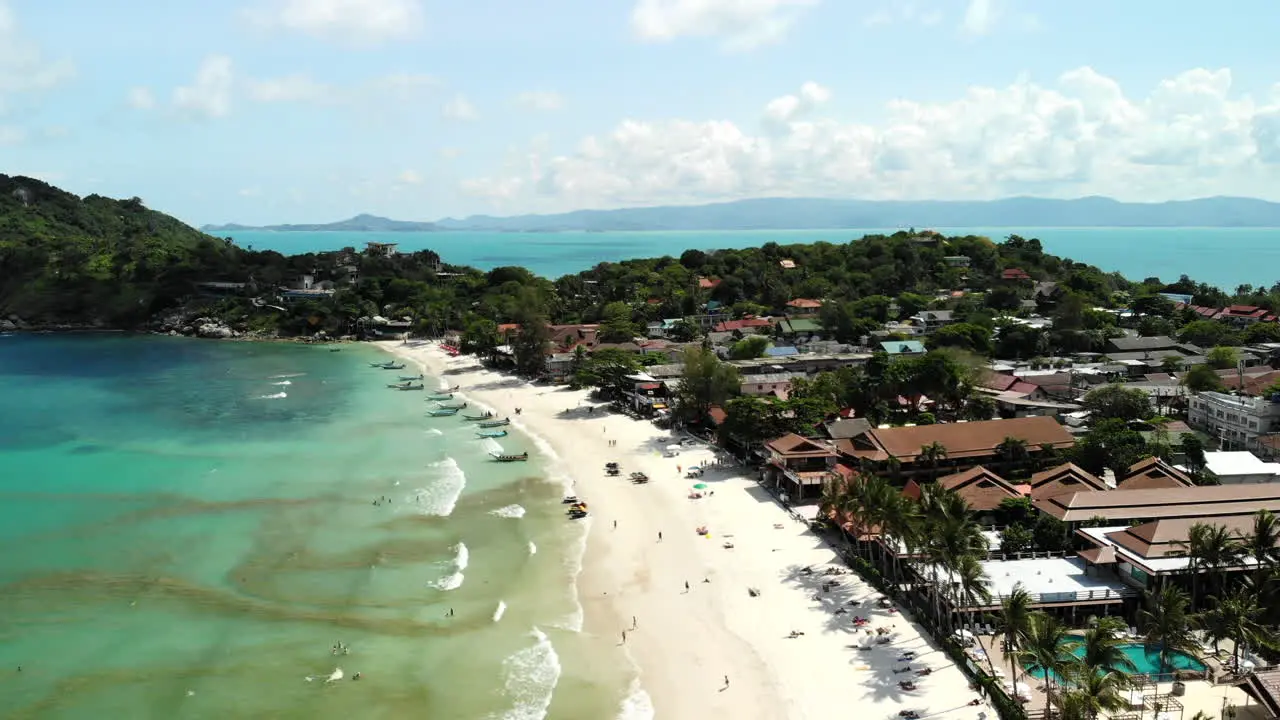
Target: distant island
822, 214
359, 223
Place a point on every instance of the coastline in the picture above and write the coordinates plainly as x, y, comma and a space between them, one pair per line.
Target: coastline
686, 643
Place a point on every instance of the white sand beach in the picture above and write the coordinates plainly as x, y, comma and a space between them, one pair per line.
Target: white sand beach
687, 643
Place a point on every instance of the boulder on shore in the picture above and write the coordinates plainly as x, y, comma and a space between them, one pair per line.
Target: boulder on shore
214, 331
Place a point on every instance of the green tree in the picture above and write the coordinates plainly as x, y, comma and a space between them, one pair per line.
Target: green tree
704, 382
1117, 402
1222, 357
531, 342
1016, 539
616, 325
965, 336
1192, 448
607, 368
480, 337
1202, 378
1206, 333
932, 456
1047, 647
1015, 624
752, 346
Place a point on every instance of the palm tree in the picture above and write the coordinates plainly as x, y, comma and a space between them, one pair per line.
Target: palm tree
1097, 692
972, 586
1012, 450
1240, 617
836, 503
932, 455
1047, 647
1166, 622
1214, 548
1101, 648
1262, 543
1016, 619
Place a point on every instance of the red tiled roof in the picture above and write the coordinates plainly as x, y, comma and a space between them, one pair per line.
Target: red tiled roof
1024, 388
793, 444
731, 325
1065, 478
717, 415
804, 303
708, 283
1015, 274
996, 381
980, 488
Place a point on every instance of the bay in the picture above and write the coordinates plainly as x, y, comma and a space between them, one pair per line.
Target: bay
188, 528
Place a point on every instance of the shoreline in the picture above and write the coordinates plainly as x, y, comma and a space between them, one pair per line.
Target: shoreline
642, 552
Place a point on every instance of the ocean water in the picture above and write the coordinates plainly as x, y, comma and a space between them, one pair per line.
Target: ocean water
187, 528
1225, 257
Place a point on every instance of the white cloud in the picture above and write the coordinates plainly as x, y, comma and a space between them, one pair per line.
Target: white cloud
359, 22
290, 88
740, 24
903, 11
250, 192
141, 98
450, 153
1188, 137
301, 88
979, 17
540, 100
209, 96
782, 110
410, 177
23, 66
459, 108
12, 135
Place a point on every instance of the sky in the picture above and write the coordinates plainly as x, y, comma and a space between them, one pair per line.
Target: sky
271, 111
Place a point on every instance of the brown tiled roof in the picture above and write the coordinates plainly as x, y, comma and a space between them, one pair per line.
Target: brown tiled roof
793, 444
971, 439
1207, 501
1168, 537
805, 303
717, 415
1153, 473
1065, 478
1105, 555
1263, 686
980, 488
996, 381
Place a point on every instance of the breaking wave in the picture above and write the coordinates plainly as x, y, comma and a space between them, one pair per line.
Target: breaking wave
637, 705
274, 396
500, 611
283, 382
509, 511
441, 494
454, 579
530, 680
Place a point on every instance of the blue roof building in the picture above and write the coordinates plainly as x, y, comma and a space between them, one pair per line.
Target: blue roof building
903, 347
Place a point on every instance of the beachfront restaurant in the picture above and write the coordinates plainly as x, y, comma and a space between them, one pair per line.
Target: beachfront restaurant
799, 467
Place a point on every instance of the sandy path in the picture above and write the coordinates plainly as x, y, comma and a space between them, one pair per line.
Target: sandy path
687, 642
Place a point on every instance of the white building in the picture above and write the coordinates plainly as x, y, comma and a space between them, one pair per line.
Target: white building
1236, 421
1241, 467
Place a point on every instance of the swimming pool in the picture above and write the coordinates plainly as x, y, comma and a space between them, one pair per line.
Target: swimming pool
1146, 661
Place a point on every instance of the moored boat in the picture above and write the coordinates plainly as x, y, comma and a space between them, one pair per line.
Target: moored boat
454, 406
485, 416
410, 386
393, 366
496, 423
440, 396
442, 412
499, 457
411, 377
492, 433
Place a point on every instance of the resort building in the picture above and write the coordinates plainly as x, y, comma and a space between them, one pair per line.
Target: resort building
386, 250
981, 489
1158, 548
1205, 503
930, 321
1153, 473
1236, 421
1241, 467
967, 444
799, 466
1063, 479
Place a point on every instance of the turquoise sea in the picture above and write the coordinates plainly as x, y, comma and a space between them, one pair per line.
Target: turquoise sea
1225, 257
187, 528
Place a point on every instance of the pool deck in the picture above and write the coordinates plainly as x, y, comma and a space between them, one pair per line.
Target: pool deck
1200, 696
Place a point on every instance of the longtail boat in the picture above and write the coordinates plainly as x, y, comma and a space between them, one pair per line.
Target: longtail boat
410, 377
496, 423
440, 396
442, 412
455, 406
393, 366
453, 389
382, 364
485, 416
509, 458
492, 433
408, 386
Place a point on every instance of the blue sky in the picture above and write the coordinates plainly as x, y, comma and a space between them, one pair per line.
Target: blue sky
267, 111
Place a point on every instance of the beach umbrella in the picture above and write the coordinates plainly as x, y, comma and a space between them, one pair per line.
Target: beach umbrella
700, 486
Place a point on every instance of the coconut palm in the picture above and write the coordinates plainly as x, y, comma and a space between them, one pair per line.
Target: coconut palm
1263, 544
1101, 648
1013, 450
972, 586
1215, 548
1048, 648
1240, 617
932, 455
1098, 692
1167, 623
1015, 621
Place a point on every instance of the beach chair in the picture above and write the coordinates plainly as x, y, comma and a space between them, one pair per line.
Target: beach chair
1133, 631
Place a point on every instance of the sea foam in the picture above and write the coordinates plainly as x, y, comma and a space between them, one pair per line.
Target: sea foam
637, 705
283, 382
500, 611
533, 549
274, 396
453, 581
509, 511
530, 681
441, 494
432, 432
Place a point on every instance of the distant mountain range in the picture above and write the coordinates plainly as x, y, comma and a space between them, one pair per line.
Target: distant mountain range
359, 223
805, 213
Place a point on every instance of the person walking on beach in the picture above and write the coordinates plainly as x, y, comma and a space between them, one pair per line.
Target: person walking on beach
726, 681
686, 586
634, 625
659, 536
624, 636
